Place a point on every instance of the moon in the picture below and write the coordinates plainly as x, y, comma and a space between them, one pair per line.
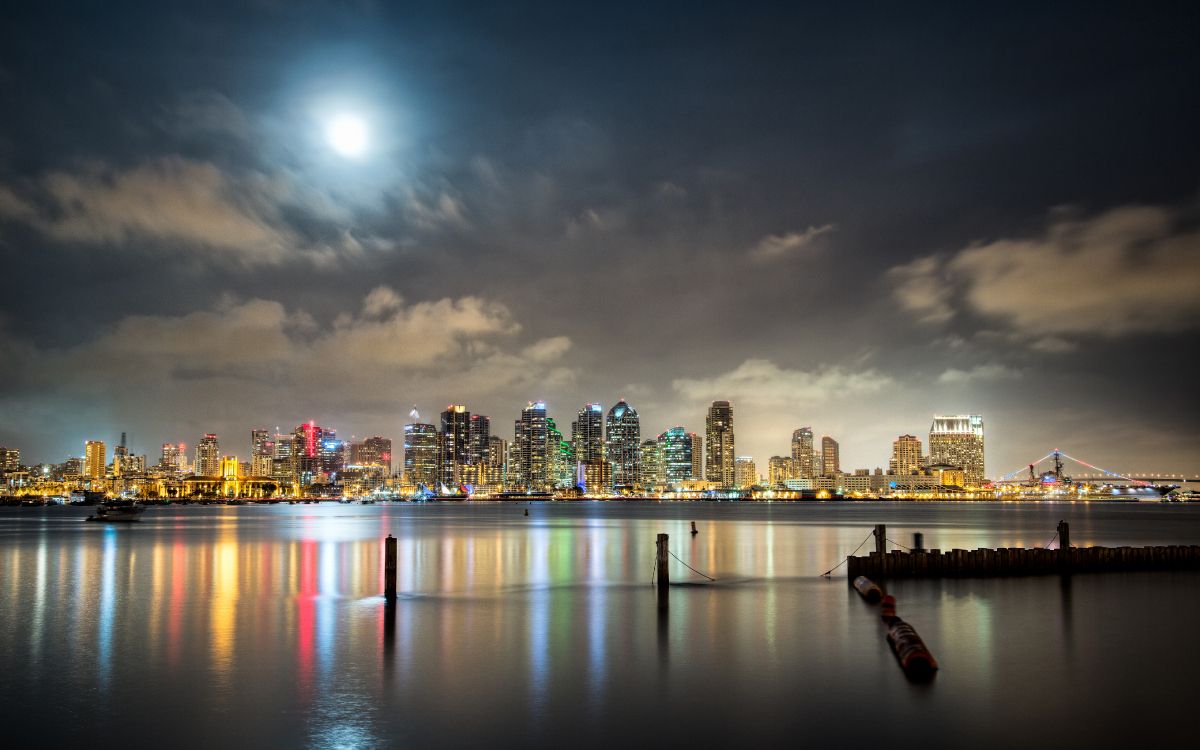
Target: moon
347, 134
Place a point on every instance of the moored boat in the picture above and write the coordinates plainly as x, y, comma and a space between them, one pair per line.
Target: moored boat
117, 511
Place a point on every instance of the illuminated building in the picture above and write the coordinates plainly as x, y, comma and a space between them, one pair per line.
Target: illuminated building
231, 470
560, 457
283, 458
171, 458
10, 460
454, 446
421, 454
779, 470
481, 446
316, 453
373, 452
906, 456
94, 459
261, 453
958, 441
208, 456
831, 464
803, 455
651, 467
530, 450
120, 456
745, 472
623, 445
496, 474
587, 437
675, 456
697, 456
718, 437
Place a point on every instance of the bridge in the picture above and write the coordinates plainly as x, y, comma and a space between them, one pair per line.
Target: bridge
1055, 466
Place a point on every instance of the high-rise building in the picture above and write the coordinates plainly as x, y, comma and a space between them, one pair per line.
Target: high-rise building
623, 445
283, 457
779, 470
262, 452
481, 446
421, 454
719, 464
530, 449
560, 457
10, 460
208, 456
316, 454
745, 472
171, 459
94, 459
906, 456
496, 474
958, 441
676, 459
454, 451
697, 455
120, 457
831, 463
651, 466
374, 452
587, 437
803, 455
231, 470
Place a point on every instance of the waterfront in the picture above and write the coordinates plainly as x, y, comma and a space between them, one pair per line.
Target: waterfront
254, 625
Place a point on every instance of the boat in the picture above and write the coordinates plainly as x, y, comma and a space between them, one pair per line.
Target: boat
117, 511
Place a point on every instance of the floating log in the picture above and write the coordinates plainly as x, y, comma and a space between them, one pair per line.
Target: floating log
911, 652
871, 592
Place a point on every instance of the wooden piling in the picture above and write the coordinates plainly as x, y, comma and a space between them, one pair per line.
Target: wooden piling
664, 575
881, 539
389, 568
918, 542
694, 532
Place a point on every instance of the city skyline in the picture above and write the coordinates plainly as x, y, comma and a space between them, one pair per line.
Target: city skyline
347, 213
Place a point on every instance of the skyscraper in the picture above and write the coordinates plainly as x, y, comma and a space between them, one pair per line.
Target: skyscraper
10, 459
374, 452
454, 454
779, 470
421, 454
283, 458
316, 453
530, 449
560, 457
208, 456
675, 456
171, 458
481, 446
958, 441
261, 453
94, 459
803, 455
623, 445
831, 463
697, 455
746, 473
719, 456
651, 466
496, 473
906, 456
587, 436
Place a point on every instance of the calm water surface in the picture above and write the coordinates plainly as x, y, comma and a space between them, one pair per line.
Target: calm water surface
244, 626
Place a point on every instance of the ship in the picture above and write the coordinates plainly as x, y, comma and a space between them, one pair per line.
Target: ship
117, 511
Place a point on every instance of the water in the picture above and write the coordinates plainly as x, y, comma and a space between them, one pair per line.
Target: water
244, 626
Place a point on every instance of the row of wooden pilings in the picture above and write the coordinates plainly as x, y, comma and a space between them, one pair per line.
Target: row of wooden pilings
1014, 561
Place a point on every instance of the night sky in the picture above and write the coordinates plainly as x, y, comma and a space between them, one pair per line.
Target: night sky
850, 218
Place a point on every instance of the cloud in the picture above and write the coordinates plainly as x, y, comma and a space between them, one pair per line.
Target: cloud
986, 373
179, 206
1127, 271
762, 382
775, 246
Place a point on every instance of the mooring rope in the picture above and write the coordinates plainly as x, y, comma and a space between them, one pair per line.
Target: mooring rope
898, 544
847, 557
689, 567
1051, 541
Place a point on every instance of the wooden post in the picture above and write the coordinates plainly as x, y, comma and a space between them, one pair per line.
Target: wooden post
918, 542
1064, 535
664, 576
389, 568
694, 532
880, 539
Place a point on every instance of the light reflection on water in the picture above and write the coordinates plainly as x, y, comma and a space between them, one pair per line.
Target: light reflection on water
219, 625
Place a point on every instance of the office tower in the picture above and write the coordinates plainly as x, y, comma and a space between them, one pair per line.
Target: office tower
261, 453
481, 446
906, 456
651, 465
745, 472
316, 453
530, 449
719, 457
10, 460
803, 454
283, 457
831, 463
623, 445
421, 454
375, 452
120, 456
333, 455
230, 470
454, 452
587, 437
94, 459
496, 473
676, 459
697, 455
958, 441
168, 461
208, 458
560, 457
779, 470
